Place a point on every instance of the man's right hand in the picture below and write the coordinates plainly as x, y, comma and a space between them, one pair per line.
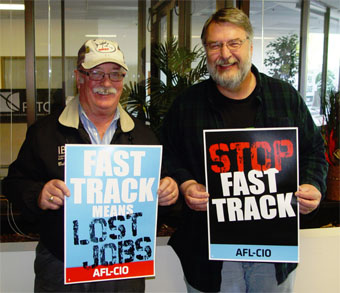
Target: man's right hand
52, 195
195, 195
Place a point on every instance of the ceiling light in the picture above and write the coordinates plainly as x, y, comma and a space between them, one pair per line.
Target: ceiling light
264, 38
12, 7
101, 36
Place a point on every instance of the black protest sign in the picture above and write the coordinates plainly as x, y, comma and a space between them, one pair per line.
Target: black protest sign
251, 176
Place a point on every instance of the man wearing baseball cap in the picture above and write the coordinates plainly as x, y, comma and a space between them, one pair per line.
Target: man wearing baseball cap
36, 178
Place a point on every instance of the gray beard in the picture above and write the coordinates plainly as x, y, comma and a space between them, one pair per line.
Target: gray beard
229, 82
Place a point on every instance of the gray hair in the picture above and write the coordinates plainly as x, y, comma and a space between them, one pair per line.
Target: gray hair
231, 15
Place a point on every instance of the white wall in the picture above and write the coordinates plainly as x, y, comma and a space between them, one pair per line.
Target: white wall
319, 267
318, 270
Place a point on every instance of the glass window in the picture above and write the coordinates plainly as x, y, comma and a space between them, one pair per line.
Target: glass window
175, 22
276, 27
200, 12
334, 52
315, 59
112, 20
12, 84
163, 29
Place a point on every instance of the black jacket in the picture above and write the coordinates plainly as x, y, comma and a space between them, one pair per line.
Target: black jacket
41, 159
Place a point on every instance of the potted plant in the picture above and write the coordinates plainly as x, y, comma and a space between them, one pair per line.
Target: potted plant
283, 58
331, 135
152, 101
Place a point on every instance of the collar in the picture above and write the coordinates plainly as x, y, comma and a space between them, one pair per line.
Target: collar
70, 116
256, 72
83, 115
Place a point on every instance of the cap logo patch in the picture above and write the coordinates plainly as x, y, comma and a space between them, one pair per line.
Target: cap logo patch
104, 47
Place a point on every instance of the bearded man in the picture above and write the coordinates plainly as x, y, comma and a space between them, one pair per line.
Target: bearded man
236, 95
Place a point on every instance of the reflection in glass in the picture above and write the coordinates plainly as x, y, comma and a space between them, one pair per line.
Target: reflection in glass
12, 85
334, 52
276, 27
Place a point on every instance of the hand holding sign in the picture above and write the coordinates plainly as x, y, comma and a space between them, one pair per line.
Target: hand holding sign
52, 195
195, 195
308, 197
167, 192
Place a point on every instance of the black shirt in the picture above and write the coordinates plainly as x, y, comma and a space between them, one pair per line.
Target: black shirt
236, 113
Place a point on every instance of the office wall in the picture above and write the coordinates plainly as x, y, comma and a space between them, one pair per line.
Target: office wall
12, 36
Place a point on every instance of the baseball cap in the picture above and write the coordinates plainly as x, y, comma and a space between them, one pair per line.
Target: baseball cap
100, 51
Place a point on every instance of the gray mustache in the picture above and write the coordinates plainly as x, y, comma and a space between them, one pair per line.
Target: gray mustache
224, 62
104, 90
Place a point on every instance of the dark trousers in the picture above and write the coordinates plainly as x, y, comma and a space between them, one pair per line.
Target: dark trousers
49, 277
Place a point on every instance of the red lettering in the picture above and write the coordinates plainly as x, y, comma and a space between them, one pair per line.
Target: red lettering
218, 154
239, 147
254, 158
278, 154
216, 158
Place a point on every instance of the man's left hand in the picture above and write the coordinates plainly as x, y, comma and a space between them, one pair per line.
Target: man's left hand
309, 198
167, 191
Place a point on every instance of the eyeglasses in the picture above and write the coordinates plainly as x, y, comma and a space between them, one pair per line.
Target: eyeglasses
99, 75
232, 45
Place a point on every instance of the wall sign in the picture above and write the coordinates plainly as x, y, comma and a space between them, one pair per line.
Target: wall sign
13, 105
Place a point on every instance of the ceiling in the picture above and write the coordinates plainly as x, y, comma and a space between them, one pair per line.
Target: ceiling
108, 8
331, 3
279, 15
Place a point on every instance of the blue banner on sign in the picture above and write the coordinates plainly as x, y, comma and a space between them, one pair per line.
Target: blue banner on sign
258, 253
